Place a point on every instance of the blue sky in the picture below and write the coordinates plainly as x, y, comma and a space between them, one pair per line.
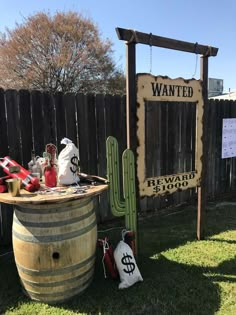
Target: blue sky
211, 22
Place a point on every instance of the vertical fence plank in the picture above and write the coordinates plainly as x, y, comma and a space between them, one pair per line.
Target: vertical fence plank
218, 119
176, 146
92, 144
115, 124
92, 131
211, 150
13, 125
190, 158
225, 163
49, 119
233, 160
105, 211
25, 126
82, 117
37, 122
115, 119
151, 141
121, 103
188, 144
165, 125
70, 113
3, 126
158, 132
151, 148
60, 119
87, 132
10, 145
101, 135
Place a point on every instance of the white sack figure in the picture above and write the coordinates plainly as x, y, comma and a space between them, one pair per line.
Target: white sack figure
126, 265
68, 164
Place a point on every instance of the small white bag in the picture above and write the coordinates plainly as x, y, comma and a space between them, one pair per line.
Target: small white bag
126, 265
68, 163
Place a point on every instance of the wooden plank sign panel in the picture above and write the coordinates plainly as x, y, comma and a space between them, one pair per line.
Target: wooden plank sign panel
153, 90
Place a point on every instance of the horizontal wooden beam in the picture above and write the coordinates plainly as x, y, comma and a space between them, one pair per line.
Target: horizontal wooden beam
154, 40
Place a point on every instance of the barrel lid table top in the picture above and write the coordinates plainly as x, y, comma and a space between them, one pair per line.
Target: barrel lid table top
57, 195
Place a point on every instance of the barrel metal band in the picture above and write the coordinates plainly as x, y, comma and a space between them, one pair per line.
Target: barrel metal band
65, 294
52, 210
47, 284
54, 238
55, 272
43, 224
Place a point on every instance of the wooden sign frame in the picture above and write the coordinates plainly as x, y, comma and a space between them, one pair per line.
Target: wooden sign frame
157, 88
132, 38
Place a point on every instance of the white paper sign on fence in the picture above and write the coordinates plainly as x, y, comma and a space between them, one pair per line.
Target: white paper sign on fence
228, 138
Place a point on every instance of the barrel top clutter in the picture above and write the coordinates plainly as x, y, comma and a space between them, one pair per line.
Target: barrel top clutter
60, 194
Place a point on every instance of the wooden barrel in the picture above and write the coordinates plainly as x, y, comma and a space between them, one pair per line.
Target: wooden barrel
54, 247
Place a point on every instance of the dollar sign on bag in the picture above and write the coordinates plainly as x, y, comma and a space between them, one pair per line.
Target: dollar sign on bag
75, 162
130, 266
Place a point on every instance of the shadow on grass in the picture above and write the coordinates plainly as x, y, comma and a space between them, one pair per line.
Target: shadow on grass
224, 271
168, 287
10, 289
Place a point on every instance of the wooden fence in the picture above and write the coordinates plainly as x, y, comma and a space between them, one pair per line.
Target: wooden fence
32, 119
170, 148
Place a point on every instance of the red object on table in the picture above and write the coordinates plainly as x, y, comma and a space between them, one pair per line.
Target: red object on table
50, 175
29, 182
3, 188
3, 179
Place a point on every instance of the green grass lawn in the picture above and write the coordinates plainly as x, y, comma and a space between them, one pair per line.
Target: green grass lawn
181, 275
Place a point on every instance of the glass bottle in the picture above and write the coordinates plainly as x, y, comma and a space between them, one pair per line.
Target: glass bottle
50, 176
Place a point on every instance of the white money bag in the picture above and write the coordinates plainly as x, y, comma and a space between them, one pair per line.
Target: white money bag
68, 163
126, 265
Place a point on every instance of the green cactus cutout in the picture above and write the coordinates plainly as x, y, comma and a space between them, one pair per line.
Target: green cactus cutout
125, 206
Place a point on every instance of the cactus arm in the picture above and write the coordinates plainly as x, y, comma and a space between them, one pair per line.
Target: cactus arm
129, 189
117, 205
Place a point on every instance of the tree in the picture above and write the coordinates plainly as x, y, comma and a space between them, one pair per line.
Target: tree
63, 52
